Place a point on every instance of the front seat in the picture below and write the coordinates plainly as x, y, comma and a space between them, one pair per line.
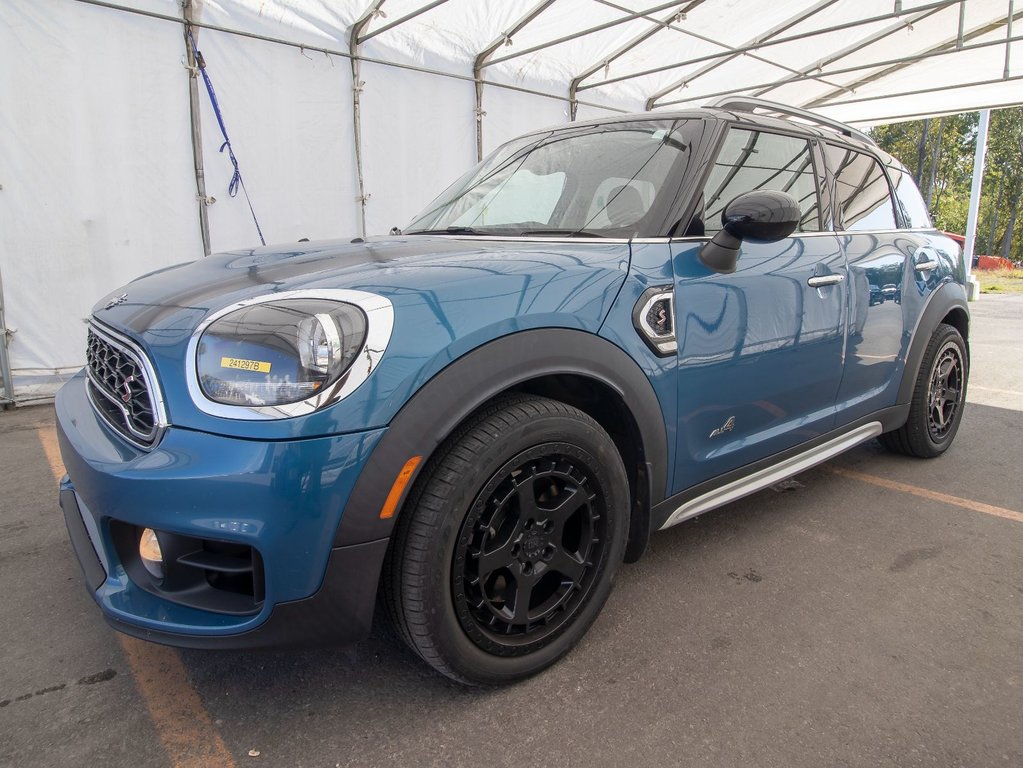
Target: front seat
625, 206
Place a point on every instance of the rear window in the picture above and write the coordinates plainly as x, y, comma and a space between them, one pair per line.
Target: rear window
864, 198
908, 199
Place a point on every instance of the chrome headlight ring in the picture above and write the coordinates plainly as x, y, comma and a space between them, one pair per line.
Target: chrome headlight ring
379, 325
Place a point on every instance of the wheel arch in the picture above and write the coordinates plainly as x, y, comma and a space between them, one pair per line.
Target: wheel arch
946, 305
576, 367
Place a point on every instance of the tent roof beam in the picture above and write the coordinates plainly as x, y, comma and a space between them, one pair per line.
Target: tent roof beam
846, 70
819, 65
505, 38
402, 20
587, 31
712, 65
688, 33
481, 59
938, 4
948, 45
921, 91
658, 25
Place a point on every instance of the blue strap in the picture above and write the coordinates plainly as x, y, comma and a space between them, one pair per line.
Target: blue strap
236, 177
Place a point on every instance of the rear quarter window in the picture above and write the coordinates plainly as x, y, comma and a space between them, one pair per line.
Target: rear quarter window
864, 199
908, 199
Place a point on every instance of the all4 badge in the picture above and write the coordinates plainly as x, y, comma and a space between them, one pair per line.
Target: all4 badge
728, 426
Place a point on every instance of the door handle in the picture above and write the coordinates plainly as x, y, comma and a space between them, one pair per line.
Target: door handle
926, 266
820, 281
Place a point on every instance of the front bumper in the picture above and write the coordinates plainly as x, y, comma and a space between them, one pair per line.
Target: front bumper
283, 499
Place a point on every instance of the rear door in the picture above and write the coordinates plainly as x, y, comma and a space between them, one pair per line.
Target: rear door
759, 350
886, 243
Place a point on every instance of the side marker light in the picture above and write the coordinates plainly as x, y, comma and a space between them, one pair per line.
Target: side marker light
387, 511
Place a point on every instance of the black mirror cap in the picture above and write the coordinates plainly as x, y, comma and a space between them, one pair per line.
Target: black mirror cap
763, 216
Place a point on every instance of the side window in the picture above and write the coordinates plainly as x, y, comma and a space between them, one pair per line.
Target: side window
908, 199
863, 196
751, 160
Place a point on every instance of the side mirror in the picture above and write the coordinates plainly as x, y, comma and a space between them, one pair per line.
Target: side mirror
763, 216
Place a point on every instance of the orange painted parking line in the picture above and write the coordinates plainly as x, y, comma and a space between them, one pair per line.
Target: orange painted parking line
976, 506
181, 720
184, 725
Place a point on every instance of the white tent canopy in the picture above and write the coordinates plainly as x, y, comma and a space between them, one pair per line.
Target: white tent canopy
103, 131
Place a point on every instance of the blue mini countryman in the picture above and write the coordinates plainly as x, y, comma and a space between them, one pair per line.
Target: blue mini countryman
602, 330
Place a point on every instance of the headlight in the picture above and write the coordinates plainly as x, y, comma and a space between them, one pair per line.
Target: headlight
279, 351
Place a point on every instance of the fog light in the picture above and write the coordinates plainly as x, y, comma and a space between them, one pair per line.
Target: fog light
149, 551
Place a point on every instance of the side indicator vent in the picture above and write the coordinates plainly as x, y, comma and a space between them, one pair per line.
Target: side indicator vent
654, 318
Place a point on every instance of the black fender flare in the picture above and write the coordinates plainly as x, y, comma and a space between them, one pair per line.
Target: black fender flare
946, 298
440, 405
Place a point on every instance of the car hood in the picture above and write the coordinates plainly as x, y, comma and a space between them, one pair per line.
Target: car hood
179, 297
448, 294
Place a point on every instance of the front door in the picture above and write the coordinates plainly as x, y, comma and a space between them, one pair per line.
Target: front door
760, 351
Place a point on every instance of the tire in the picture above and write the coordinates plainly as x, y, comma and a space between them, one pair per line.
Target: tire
939, 396
487, 578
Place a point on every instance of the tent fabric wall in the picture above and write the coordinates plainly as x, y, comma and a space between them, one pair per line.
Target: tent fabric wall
96, 165
97, 187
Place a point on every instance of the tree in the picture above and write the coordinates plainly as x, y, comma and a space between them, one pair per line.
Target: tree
940, 158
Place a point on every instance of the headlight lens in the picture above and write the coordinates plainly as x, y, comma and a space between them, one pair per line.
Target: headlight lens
279, 352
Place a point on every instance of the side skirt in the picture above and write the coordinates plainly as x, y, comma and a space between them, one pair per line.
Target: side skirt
762, 474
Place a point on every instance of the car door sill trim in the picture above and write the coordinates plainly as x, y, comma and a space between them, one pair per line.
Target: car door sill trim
775, 473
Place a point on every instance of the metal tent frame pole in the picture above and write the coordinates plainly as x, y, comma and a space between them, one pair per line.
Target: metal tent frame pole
975, 187
353, 46
195, 121
847, 70
6, 378
483, 56
584, 32
759, 45
399, 22
760, 39
954, 44
605, 62
345, 54
888, 31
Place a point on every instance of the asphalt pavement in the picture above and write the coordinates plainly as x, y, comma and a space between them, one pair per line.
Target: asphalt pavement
869, 615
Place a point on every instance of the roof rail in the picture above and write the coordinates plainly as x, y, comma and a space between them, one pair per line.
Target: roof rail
750, 104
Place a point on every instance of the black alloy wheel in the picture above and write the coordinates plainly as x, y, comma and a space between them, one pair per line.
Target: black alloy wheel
939, 395
508, 544
526, 554
945, 391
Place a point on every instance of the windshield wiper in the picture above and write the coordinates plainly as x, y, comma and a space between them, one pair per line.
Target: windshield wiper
447, 231
559, 233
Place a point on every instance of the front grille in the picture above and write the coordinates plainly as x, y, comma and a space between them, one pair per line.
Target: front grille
120, 389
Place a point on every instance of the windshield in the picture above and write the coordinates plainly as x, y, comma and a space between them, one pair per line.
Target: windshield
594, 181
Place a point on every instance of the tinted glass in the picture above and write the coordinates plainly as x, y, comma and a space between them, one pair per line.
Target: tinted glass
864, 199
908, 198
605, 180
750, 160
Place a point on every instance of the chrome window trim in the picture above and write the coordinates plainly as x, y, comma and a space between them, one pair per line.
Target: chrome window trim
827, 233
379, 326
775, 473
145, 442
537, 239
573, 240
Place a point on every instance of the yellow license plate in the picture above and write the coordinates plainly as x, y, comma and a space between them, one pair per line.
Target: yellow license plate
245, 365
